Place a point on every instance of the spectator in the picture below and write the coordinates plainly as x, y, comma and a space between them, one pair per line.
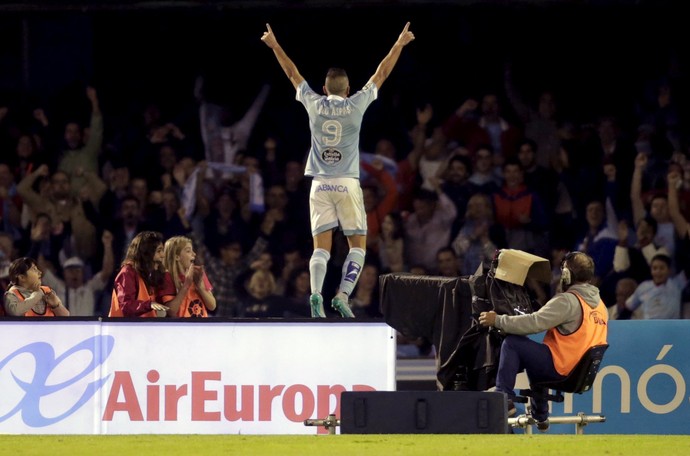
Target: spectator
573, 170
225, 269
448, 264
610, 143
158, 153
64, 209
488, 126
433, 159
139, 188
77, 293
427, 229
635, 260
259, 298
599, 239
658, 208
539, 179
521, 212
167, 219
223, 220
186, 290
391, 243
660, 110
616, 192
380, 195
407, 175
27, 157
286, 231
224, 140
26, 296
682, 230
273, 162
297, 188
541, 124
455, 183
118, 182
659, 297
625, 287
293, 301
479, 236
81, 147
484, 178
139, 279
292, 259
127, 224
43, 243
10, 203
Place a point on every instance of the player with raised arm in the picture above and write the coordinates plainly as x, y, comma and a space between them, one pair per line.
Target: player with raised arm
335, 121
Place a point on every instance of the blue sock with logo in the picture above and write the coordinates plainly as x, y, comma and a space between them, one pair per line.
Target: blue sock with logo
351, 270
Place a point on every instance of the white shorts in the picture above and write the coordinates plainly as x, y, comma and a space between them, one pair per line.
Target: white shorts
337, 201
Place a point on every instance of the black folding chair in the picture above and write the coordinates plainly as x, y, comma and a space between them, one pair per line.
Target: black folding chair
578, 381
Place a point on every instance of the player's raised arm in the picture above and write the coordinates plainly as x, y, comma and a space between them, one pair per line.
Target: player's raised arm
285, 62
386, 66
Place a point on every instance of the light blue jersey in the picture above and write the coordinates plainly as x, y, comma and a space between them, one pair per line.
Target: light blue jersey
335, 124
659, 302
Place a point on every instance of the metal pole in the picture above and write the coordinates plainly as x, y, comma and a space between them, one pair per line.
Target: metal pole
580, 420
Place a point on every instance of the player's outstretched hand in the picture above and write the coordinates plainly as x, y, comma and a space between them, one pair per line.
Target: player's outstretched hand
269, 37
405, 36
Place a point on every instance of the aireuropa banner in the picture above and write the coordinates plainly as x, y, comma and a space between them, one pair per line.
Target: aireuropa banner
641, 387
84, 377
88, 377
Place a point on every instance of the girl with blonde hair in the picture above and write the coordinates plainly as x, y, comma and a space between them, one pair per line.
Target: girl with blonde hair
186, 290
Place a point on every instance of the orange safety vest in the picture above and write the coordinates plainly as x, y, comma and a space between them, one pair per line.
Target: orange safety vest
192, 305
30, 313
142, 295
568, 349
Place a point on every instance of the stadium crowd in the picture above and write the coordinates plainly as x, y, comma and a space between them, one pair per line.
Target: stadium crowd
498, 172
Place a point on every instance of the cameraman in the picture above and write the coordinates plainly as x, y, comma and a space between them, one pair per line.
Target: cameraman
574, 320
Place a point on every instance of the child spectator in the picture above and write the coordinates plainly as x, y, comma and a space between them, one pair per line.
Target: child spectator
26, 296
140, 276
658, 298
186, 289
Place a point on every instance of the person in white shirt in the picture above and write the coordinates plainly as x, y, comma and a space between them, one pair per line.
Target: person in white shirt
78, 294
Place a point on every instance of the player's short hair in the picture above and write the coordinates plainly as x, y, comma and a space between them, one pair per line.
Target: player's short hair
337, 81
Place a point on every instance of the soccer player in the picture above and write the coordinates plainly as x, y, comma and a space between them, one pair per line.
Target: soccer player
335, 121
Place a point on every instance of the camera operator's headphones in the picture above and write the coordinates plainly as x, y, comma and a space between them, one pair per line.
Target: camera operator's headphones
566, 275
